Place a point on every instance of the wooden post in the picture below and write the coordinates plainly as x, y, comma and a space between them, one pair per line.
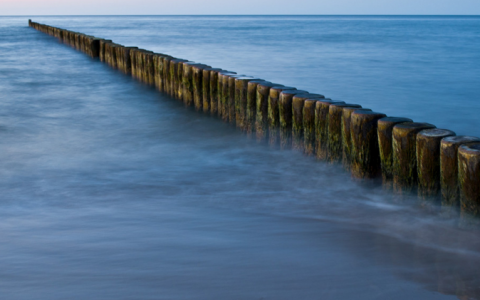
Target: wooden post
251, 113
206, 89
469, 178
449, 167
365, 153
322, 108
274, 114
290, 118
335, 139
241, 91
296, 129
261, 120
309, 126
347, 136
404, 144
428, 160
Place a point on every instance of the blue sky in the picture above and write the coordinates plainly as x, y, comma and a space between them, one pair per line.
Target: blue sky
264, 7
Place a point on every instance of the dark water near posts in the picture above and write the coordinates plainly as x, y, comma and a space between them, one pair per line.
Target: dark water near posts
110, 190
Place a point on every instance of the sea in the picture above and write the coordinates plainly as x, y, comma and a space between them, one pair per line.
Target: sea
110, 189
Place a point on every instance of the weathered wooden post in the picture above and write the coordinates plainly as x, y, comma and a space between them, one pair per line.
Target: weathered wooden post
347, 136
289, 118
251, 113
385, 143
149, 76
293, 135
335, 138
206, 89
217, 90
174, 77
469, 178
197, 73
160, 65
241, 91
428, 160
232, 115
404, 144
165, 73
449, 167
365, 154
274, 114
223, 95
261, 120
102, 53
186, 94
322, 108
309, 126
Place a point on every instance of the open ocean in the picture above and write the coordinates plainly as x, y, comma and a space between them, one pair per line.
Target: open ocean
111, 190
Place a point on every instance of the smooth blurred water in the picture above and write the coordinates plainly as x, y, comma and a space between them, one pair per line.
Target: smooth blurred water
110, 190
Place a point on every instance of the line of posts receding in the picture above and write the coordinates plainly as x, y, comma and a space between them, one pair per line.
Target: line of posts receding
408, 157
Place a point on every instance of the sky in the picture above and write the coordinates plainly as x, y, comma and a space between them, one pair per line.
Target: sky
242, 7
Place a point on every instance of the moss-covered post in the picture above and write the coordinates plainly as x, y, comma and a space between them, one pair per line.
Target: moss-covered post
449, 167
206, 89
149, 68
261, 119
231, 111
251, 108
404, 144
223, 95
297, 129
428, 160
160, 65
335, 137
309, 126
469, 178
197, 79
347, 135
241, 90
274, 114
290, 118
167, 84
322, 108
385, 143
365, 154
187, 83
174, 77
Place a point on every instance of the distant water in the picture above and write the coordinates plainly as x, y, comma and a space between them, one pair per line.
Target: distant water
110, 190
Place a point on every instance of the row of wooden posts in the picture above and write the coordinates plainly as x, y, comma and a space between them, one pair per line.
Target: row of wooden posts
408, 156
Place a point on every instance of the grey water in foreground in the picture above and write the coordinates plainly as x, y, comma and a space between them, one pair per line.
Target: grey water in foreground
110, 190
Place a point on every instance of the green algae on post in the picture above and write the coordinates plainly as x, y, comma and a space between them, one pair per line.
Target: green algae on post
469, 178
404, 145
322, 108
241, 91
261, 120
274, 114
296, 129
365, 156
335, 139
347, 136
206, 89
197, 80
428, 160
309, 126
287, 116
449, 167
385, 143
251, 108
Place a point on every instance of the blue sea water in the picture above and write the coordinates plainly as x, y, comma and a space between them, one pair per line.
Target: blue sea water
111, 190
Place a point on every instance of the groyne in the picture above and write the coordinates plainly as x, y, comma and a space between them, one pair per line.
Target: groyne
406, 156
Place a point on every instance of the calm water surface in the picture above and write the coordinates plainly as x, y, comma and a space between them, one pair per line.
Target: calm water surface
110, 190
